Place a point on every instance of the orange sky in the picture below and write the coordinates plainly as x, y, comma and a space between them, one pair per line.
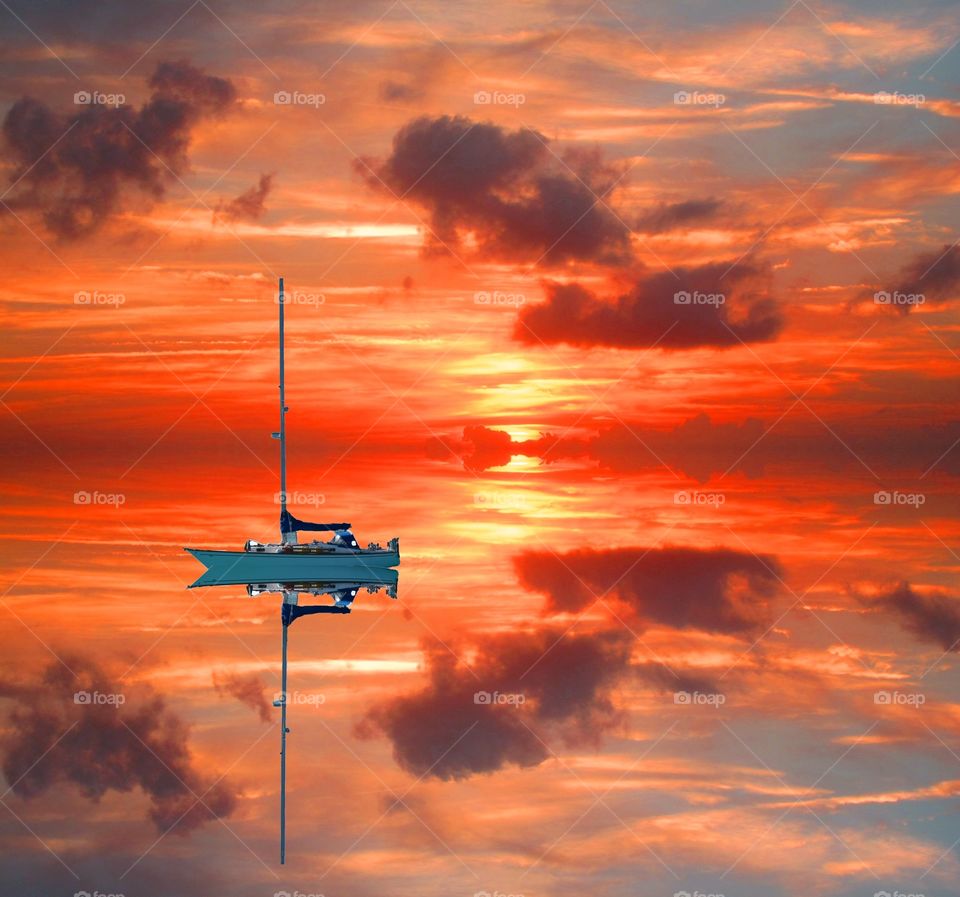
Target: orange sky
608, 498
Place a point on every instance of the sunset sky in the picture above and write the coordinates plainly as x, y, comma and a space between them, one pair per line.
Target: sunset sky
637, 323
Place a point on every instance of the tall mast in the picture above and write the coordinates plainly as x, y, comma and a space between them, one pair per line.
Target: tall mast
283, 538
283, 426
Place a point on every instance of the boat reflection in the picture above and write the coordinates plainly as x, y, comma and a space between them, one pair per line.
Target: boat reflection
343, 591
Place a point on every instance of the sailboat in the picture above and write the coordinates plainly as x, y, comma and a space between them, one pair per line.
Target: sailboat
288, 560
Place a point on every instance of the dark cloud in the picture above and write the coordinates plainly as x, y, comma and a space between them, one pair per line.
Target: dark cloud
933, 618
711, 589
704, 449
650, 313
480, 448
392, 91
100, 24
506, 189
935, 275
565, 681
672, 216
249, 205
668, 679
101, 747
248, 690
78, 169
567, 684
699, 447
